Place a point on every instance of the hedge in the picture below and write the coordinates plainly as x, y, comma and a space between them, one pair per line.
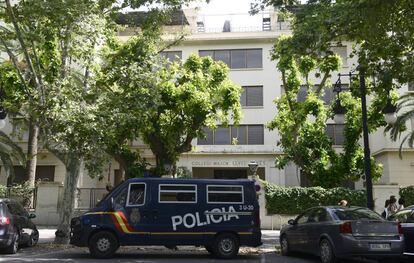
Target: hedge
407, 193
294, 200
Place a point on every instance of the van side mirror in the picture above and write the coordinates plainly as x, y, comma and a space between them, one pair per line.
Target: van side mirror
32, 216
291, 222
111, 204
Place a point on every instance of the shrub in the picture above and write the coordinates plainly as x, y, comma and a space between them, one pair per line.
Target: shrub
20, 192
294, 200
407, 193
3, 191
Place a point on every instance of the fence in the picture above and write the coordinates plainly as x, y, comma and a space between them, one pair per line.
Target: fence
88, 197
23, 198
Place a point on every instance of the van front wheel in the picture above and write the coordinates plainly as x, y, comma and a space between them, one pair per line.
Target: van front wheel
226, 246
103, 244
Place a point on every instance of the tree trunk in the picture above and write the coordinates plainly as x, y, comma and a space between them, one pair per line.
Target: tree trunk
32, 153
73, 167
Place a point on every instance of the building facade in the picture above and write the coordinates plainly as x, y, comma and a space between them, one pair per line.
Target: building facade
246, 50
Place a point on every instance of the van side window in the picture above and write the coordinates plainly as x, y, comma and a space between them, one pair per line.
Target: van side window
230, 194
136, 195
174, 193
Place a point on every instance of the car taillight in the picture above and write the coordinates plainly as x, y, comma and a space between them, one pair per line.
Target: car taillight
345, 228
400, 229
4, 221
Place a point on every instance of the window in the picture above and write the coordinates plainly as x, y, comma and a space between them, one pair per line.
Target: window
252, 96
174, 193
136, 194
357, 214
120, 199
43, 173
230, 194
336, 133
411, 86
236, 58
404, 216
244, 134
304, 218
172, 56
318, 215
342, 52
328, 93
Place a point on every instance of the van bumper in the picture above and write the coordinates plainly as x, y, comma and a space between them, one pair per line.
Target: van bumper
251, 240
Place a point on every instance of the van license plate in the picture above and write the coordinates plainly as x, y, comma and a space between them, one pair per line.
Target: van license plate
380, 246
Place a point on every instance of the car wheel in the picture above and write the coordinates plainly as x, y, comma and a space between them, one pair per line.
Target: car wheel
209, 249
14, 246
103, 244
284, 246
326, 252
33, 239
226, 246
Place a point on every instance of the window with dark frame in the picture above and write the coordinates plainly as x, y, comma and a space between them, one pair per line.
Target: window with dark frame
177, 193
172, 56
328, 96
244, 134
251, 96
237, 58
225, 194
336, 133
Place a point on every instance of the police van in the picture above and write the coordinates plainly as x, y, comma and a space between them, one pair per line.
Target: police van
220, 215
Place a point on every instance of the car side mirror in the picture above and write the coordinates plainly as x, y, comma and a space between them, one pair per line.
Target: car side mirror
32, 216
111, 204
291, 222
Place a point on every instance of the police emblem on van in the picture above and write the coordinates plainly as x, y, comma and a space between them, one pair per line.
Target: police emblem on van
135, 216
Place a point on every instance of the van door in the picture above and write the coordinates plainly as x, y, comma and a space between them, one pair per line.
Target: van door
175, 215
132, 220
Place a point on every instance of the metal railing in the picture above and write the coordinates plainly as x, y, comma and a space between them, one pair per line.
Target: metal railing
27, 202
87, 198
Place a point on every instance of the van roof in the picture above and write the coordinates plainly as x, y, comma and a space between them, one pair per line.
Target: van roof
193, 181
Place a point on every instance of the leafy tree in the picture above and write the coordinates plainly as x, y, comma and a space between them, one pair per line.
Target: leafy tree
383, 50
164, 105
405, 109
302, 124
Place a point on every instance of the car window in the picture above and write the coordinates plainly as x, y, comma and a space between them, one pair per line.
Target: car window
404, 216
120, 199
304, 218
318, 215
136, 194
356, 214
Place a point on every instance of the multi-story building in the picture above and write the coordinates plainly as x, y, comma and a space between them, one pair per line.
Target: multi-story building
246, 50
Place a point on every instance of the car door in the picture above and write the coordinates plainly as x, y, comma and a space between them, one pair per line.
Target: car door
408, 229
317, 225
19, 220
135, 220
297, 235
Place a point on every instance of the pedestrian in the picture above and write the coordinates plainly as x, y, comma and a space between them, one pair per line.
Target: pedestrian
343, 203
385, 212
392, 207
401, 203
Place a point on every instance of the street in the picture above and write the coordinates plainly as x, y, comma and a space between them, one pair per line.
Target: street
47, 252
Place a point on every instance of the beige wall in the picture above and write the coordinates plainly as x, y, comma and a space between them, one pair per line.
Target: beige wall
396, 170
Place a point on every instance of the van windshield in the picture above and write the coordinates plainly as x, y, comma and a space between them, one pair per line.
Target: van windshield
106, 197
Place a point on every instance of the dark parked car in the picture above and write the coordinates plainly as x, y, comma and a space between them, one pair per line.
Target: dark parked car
406, 219
337, 232
16, 228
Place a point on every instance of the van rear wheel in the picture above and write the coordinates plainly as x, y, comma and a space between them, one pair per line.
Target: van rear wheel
103, 244
226, 246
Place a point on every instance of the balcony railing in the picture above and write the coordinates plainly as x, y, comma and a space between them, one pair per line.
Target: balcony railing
88, 197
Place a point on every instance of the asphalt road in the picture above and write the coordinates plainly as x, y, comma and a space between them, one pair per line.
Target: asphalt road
46, 252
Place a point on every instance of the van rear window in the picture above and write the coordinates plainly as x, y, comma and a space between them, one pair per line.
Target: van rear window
232, 194
173, 193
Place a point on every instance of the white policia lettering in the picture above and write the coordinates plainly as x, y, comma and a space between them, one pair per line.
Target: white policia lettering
191, 220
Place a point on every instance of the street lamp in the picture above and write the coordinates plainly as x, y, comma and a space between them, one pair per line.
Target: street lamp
390, 118
253, 168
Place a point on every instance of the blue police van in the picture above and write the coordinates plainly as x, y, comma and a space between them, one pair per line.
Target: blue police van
220, 215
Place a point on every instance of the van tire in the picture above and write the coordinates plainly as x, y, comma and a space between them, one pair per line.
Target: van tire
226, 246
103, 244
